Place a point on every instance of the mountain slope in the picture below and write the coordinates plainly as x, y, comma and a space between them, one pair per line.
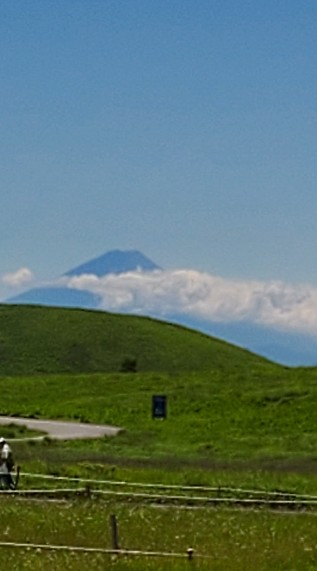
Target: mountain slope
54, 340
114, 262
289, 348
57, 297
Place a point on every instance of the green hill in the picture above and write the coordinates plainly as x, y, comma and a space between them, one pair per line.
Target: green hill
224, 403
35, 339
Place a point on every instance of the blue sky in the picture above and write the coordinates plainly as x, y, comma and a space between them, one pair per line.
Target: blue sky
185, 129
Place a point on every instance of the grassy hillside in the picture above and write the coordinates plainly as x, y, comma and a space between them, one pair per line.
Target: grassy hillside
35, 340
234, 419
223, 402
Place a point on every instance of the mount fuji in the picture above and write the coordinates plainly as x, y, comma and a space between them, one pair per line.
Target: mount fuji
113, 262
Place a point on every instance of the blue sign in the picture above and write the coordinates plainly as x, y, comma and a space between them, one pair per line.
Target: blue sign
159, 406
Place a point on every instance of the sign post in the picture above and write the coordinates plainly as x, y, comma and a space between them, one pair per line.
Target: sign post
159, 406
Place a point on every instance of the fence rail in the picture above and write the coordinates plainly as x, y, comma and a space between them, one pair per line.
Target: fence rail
166, 499
210, 489
157, 492
189, 554
202, 496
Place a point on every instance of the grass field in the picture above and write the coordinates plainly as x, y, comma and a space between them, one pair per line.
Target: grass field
211, 417
231, 539
233, 419
44, 340
256, 433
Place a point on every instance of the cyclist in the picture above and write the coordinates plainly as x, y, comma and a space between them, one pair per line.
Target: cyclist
6, 463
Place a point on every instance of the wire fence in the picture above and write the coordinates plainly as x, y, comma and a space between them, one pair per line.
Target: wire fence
164, 493
209, 489
153, 493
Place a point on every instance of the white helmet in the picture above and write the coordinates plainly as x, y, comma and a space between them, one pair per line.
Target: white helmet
2, 440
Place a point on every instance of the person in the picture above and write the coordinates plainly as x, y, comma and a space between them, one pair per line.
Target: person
6, 463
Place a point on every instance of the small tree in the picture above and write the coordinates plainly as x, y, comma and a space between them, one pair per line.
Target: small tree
129, 365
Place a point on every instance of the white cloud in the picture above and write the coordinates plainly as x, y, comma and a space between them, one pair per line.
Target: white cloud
204, 296
18, 278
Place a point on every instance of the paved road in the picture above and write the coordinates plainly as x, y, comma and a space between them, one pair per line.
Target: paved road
63, 430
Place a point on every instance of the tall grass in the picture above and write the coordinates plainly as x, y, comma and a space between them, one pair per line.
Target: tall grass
233, 540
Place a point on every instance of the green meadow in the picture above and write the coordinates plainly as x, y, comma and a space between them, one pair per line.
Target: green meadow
211, 417
233, 420
230, 540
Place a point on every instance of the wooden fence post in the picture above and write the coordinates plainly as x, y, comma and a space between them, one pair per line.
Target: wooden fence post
114, 532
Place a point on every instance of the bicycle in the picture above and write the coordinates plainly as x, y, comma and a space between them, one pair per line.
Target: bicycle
7, 482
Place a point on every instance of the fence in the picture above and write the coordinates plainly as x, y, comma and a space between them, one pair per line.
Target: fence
216, 495
191, 496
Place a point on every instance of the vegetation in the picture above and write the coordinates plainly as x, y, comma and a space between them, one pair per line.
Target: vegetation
211, 417
232, 540
233, 419
37, 340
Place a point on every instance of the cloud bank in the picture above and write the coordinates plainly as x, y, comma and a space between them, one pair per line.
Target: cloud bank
287, 307
18, 278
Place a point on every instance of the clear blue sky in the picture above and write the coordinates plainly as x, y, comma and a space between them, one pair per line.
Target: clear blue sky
182, 128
